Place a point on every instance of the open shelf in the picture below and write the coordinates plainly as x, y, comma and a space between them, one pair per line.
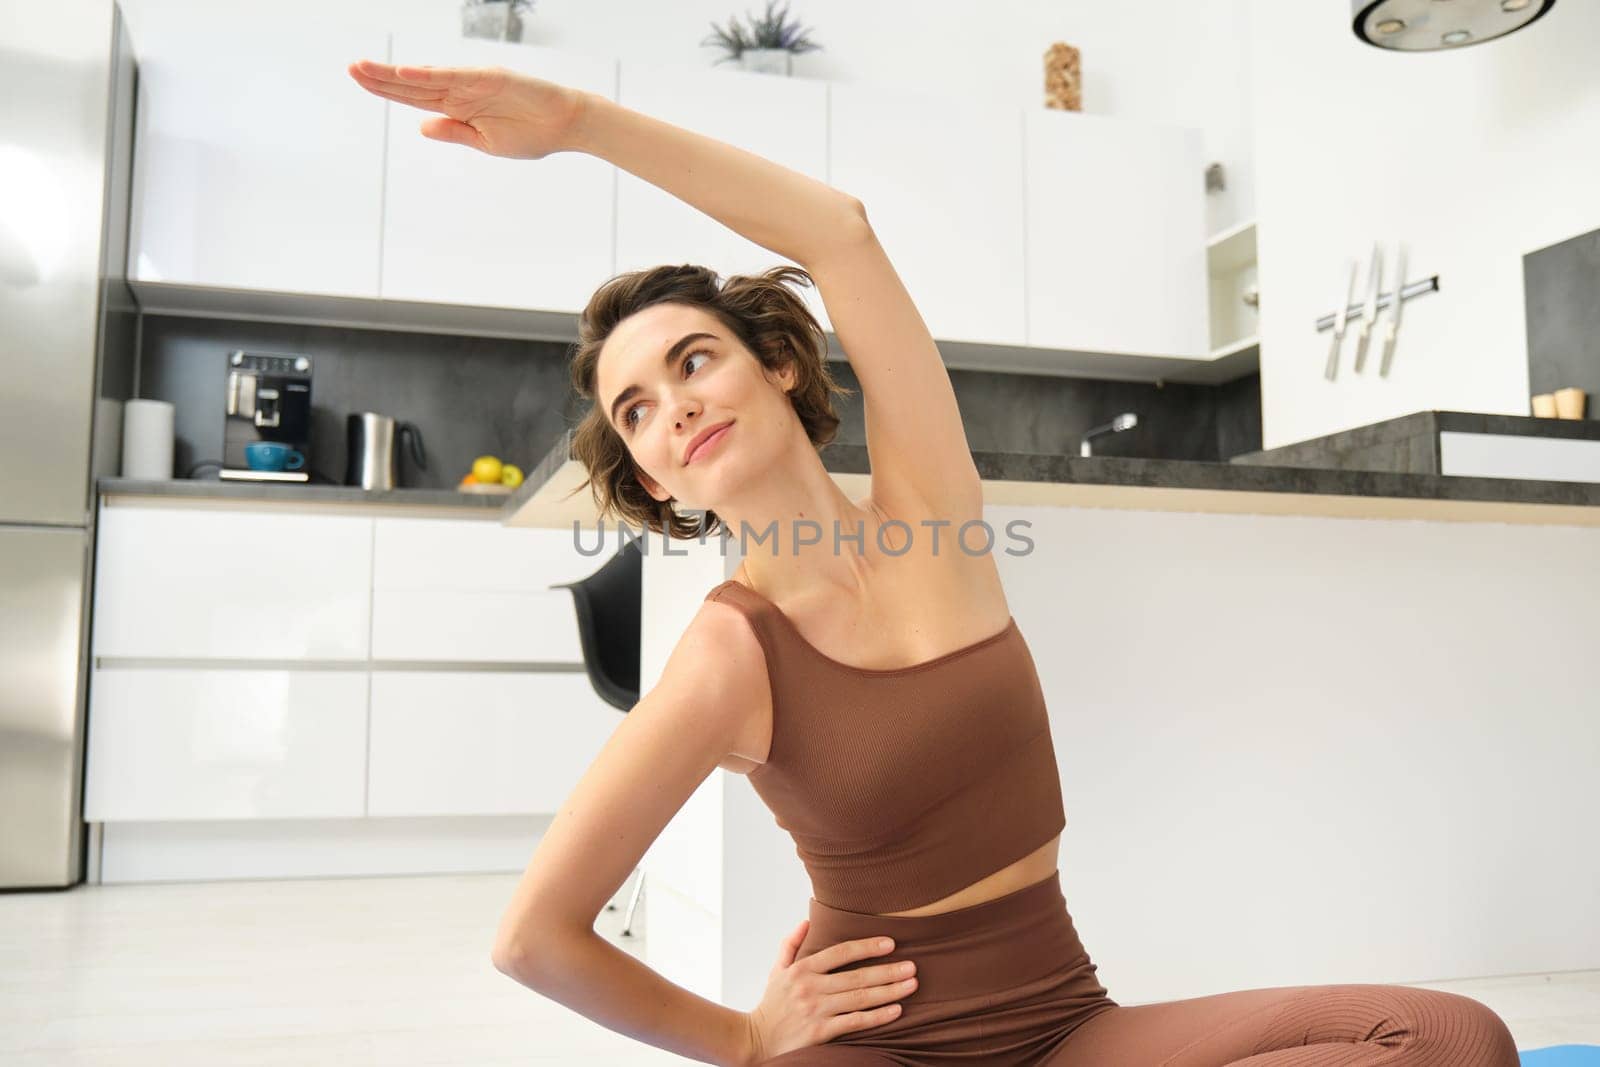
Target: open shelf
1232, 250
1230, 274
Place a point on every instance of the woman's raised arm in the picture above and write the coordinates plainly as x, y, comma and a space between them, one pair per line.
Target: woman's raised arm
917, 445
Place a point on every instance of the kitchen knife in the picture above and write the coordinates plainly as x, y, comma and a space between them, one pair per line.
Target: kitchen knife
1338, 325
1392, 327
1369, 314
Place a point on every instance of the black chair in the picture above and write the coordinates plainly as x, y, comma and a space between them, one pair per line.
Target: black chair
609, 621
607, 603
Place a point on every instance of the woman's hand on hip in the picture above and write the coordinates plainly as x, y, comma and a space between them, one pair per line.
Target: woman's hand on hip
492, 109
804, 1005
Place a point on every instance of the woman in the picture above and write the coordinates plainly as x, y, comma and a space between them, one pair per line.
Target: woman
872, 684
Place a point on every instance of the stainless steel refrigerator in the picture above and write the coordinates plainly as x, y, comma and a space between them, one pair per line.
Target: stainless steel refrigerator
68, 340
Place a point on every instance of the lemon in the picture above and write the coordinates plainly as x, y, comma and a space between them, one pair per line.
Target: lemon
511, 475
486, 469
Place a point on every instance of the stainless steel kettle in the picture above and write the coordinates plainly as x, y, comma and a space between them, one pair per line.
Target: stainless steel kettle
372, 458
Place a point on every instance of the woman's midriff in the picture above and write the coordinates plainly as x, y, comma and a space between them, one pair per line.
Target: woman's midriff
998, 983
1029, 870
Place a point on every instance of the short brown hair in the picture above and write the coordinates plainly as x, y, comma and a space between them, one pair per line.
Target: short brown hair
768, 319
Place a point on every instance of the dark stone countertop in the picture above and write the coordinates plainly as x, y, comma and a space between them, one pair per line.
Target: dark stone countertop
482, 504
1410, 444
546, 497
1296, 474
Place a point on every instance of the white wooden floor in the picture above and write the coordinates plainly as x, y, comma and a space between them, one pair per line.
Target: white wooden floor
390, 971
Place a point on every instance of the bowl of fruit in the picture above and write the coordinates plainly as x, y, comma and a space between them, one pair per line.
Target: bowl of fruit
490, 475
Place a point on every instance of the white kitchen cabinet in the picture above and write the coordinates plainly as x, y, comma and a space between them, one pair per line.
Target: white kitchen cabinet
464, 227
225, 744
258, 162
784, 120
943, 187
256, 585
1026, 228
1116, 250
469, 591
464, 743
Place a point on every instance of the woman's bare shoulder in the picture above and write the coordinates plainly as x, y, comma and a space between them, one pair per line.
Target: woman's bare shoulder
719, 659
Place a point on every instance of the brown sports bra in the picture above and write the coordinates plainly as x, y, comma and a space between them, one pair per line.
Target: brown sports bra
901, 786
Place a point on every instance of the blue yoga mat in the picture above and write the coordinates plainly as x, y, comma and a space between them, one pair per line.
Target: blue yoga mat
1561, 1056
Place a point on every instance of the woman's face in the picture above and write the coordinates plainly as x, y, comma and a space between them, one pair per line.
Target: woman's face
660, 389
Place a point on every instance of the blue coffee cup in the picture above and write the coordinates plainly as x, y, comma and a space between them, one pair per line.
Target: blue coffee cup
272, 456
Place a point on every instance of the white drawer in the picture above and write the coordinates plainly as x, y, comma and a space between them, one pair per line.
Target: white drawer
481, 743
1500, 455
473, 591
196, 583
225, 744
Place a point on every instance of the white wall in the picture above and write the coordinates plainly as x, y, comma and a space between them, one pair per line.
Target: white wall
1297, 749
1171, 61
1472, 157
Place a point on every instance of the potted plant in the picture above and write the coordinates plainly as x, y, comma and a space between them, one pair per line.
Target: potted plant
768, 44
494, 20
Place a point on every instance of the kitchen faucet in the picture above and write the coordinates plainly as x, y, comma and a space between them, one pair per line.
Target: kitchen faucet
1126, 421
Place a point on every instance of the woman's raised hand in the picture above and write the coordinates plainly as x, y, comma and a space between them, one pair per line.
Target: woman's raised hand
492, 109
804, 1005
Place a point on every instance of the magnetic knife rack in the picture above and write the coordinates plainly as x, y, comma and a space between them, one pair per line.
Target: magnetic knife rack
1429, 284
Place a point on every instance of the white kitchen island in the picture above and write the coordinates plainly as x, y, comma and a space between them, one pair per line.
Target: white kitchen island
1312, 725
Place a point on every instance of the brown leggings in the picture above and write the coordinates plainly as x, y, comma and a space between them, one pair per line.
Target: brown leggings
1007, 982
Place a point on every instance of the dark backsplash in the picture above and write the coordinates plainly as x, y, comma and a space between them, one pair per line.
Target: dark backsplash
469, 396
1559, 286
472, 396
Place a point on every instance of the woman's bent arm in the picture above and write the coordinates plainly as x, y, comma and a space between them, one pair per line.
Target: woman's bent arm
697, 712
596, 979
780, 209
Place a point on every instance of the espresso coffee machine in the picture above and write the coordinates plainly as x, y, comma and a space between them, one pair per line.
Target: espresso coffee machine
268, 399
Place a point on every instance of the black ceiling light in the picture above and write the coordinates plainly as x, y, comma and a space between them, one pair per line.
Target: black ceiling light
1439, 25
